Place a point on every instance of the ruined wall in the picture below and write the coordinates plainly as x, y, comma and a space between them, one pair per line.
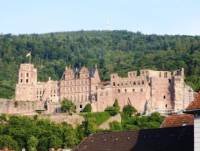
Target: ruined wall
18, 107
147, 91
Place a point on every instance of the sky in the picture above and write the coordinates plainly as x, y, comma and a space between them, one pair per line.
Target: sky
147, 16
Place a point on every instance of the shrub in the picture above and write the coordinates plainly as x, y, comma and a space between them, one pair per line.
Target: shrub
67, 106
99, 117
129, 110
115, 126
113, 110
87, 108
32, 143
7, 141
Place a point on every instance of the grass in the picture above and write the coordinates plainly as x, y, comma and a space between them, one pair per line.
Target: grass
98, 117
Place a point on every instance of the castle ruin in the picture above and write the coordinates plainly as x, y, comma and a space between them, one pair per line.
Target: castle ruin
147, 90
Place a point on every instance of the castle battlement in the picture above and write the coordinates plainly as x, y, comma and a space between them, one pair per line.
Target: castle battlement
147, 91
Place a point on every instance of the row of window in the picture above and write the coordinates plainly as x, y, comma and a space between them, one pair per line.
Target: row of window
76, 89
27, 75
130, 83
125, 90
21, 80
77, 97
76, 82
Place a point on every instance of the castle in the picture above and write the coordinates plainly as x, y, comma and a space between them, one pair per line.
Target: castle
147, 90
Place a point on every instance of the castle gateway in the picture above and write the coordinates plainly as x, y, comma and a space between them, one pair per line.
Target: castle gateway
148, 91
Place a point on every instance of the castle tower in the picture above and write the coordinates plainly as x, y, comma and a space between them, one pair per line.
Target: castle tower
27, 81
179, 90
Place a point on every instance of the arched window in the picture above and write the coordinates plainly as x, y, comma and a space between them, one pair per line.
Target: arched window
142, 82
118, 90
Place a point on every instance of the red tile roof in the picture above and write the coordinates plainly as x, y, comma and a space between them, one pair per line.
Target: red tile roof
161, 139
178, 120
194, 105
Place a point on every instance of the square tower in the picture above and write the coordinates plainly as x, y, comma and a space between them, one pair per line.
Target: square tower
27, 82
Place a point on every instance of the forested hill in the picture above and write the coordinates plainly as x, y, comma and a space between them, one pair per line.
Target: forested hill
113, 51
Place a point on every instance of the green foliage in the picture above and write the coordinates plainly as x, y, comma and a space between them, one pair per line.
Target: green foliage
70, 137
116, 105
141, 122
67, 106
97, 117
87, 108
33, 134
32, 143
8, 142
113, 110
129, 110
55, 142
90, 126
115, 126
112, 51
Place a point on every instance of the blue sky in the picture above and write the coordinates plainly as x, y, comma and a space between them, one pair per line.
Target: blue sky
147, 16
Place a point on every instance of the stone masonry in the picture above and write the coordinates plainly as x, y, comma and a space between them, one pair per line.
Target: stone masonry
147, 90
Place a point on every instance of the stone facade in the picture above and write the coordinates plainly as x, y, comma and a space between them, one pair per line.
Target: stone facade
150, 91
146, 90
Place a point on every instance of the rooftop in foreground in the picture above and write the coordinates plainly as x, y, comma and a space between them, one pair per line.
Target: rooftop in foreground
163, 139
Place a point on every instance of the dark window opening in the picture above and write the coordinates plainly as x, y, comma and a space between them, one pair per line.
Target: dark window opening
141, 90
169, 80
125, 90
133, 90
16, 104
164, 97
118, 90
165, 75
113, 83
27, 74
26, 80
165, 105
21, 80
81, 106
